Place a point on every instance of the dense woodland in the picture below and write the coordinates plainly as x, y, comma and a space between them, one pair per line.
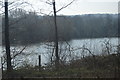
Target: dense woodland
29, 28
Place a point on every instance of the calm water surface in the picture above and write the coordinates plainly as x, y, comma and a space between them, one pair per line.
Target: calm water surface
96, 46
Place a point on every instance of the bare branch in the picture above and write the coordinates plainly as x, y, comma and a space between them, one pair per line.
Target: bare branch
65, 6
49, 2
19, 52
16, 5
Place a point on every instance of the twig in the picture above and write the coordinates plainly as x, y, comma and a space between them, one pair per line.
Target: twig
65, 6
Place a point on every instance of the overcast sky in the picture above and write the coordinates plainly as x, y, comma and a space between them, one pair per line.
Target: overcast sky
76, 8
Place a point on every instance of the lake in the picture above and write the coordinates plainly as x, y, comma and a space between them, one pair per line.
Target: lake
72, 49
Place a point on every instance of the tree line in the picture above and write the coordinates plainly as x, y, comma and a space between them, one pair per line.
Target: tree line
30, 28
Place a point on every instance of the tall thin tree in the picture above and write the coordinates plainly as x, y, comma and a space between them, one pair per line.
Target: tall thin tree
7, 41
56, 38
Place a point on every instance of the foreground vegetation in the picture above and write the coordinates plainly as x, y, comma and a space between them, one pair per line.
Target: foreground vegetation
103, 66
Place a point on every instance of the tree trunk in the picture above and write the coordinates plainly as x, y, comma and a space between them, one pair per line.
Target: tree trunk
56, 38
7, 42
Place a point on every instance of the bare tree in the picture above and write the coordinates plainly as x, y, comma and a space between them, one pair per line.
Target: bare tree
7, 41
56, 38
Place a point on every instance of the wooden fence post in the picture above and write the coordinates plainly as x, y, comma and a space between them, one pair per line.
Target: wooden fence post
39, 62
